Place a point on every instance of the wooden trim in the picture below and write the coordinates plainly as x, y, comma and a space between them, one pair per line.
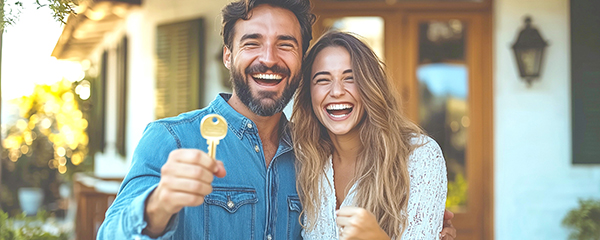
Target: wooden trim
488, 121
122, 88
399, 6
479, 165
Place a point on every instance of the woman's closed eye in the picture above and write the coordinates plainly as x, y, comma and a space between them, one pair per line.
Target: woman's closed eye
321, 81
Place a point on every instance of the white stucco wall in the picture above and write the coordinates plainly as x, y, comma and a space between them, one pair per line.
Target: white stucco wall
140, 27
535, 182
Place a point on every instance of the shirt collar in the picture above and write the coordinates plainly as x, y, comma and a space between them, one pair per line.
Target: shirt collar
239, 124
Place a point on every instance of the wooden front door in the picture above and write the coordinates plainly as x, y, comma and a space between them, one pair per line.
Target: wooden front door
440, 60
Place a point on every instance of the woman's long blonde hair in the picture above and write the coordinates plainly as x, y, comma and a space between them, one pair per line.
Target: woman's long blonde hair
385, 133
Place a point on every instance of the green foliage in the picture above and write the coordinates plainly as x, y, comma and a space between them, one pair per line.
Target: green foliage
11, 9
60, 8
45, 146
584, 221
22, 227
457, 192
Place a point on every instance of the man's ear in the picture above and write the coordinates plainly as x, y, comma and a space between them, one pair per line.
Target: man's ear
227, 57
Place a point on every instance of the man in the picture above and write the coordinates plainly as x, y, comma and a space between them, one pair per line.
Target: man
170, 193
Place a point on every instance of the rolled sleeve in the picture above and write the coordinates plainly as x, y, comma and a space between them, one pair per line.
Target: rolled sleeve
125, 217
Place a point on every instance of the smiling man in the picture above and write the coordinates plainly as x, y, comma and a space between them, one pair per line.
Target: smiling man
170, 191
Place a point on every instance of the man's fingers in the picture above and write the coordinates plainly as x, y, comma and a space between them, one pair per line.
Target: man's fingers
191, 156
448, 223
449, 232
177, 200
448, 215
186, 170
189, 186
197, 157
220, 169
448, 237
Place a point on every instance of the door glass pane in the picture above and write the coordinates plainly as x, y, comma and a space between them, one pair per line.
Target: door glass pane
369, 28
443, 96
395, 1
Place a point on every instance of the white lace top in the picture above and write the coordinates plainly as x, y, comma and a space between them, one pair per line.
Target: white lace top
426, 203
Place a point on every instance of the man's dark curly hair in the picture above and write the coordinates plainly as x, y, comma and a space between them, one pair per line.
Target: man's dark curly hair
241, 9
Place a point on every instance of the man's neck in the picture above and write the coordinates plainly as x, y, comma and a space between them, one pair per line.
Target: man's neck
267, 126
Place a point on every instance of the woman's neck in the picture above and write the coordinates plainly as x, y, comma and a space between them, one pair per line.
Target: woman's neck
347, 147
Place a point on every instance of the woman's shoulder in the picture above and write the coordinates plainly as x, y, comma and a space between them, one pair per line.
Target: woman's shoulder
427, 151
423, 142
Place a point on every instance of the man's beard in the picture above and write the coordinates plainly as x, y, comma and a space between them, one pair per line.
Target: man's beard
256, 104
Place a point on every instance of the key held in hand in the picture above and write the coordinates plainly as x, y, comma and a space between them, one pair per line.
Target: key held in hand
213, 127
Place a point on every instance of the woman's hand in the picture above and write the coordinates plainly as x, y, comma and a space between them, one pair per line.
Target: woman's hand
358, 223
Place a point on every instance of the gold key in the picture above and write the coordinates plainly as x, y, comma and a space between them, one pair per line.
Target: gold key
213, 127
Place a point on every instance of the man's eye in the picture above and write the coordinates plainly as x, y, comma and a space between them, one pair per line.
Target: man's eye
287, 45
250, 44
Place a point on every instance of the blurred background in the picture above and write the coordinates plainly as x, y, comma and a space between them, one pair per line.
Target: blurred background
510, 89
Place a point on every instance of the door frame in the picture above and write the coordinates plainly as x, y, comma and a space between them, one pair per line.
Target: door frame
400, 57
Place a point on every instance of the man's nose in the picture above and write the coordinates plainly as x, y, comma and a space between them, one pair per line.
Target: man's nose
268, 56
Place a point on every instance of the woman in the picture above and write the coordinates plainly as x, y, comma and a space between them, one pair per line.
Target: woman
364, 170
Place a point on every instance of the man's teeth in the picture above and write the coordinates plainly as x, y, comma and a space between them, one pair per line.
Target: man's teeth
338, 106
267, 76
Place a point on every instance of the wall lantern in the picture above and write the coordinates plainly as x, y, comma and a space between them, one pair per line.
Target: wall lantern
529, 52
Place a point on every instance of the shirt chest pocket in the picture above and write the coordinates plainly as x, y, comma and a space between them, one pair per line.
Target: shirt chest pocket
294, 209
230, 213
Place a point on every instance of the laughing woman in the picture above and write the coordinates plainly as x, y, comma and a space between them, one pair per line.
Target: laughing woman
364, 170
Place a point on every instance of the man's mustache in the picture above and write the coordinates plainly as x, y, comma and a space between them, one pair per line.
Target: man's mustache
261, 68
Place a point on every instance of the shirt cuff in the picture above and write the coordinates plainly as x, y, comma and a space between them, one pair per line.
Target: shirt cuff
137, 222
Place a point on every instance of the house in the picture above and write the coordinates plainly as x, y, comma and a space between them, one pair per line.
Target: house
519, 155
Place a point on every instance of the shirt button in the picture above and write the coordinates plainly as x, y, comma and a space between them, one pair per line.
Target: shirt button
256, 148
230, 204
269, 237
249, 125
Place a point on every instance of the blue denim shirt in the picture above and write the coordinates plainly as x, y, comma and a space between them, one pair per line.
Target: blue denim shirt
252, 202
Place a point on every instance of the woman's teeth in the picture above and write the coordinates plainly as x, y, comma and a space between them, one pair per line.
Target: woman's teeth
339, 110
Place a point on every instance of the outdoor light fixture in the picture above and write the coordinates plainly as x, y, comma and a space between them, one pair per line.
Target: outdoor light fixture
529, 52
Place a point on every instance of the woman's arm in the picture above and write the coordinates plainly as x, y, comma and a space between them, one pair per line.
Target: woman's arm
428, 189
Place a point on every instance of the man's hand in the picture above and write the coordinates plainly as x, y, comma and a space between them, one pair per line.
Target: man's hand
358, 223
185, 180
449, 232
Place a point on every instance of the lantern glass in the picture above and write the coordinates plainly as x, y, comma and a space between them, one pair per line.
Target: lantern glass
529, 61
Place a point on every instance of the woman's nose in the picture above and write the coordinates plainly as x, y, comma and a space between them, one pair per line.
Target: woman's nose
337, 89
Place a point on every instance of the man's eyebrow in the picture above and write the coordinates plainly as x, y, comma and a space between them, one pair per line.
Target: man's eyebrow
321, 73
347, 71
288, 38
251, 36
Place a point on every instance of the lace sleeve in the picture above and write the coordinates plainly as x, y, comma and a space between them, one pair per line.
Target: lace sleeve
428, 188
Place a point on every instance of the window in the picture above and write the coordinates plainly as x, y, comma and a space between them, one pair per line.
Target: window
121, 96
585, 80
97, 108
180, 67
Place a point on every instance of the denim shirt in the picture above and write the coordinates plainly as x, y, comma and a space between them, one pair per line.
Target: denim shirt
252, 202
